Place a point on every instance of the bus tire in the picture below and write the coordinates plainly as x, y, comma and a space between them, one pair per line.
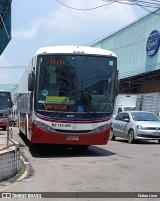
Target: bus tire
32, 146
111, 135
20, 132
4, 128
82, 147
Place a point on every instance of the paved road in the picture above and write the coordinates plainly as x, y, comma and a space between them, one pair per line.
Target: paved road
118, 166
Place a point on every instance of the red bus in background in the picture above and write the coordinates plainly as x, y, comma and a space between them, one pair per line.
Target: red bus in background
5, 105
66, 96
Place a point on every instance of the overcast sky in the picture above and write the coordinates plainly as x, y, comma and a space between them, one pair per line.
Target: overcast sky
38, 23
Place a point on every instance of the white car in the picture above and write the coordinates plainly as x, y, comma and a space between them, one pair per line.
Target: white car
135, 125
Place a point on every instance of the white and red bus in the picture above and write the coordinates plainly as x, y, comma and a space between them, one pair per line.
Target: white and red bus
66, 96
5, 105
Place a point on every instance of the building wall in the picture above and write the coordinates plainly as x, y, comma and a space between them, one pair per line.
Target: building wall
129, 44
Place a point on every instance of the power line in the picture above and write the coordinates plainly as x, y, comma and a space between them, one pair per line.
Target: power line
85, 9
94, 41
13, 67
151, 4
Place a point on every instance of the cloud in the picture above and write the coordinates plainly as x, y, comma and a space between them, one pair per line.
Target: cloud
25, 33
65, 21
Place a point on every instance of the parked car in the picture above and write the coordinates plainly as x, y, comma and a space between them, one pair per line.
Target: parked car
135, 125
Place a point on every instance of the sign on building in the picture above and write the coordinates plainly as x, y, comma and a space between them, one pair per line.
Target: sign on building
153, 43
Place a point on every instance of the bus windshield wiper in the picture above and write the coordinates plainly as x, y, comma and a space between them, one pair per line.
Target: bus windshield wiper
88, 98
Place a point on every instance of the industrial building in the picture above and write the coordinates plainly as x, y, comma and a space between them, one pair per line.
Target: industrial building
138, 52
5, 37
5, 23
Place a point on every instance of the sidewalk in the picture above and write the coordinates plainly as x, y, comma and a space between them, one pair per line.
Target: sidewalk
3, 141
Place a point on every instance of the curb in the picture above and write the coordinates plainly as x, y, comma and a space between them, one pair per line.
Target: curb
25, 173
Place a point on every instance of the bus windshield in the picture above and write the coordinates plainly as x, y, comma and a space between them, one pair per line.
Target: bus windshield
5, 100
75, 83
4, 103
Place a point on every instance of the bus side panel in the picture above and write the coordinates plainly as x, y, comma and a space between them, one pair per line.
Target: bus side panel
25, 125
44, 137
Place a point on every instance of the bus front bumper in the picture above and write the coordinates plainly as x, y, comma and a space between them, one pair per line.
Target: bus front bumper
42, 136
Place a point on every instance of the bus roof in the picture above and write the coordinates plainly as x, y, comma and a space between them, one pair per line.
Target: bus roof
75, 49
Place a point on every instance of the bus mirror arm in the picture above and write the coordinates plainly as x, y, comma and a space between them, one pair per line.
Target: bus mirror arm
31, 79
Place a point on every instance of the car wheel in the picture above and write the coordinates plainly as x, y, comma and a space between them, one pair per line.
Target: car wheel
131, 137
111, 135
159, 141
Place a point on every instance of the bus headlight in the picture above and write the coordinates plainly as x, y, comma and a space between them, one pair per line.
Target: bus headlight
43, 126
101, 128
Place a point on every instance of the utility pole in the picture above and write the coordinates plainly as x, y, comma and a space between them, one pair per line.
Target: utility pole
8, 120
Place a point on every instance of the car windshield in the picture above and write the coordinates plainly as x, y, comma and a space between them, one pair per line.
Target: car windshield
144, 116
71, 83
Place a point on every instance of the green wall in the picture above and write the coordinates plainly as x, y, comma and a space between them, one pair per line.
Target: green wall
129, 44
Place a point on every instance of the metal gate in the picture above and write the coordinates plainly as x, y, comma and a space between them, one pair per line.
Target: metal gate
150, 102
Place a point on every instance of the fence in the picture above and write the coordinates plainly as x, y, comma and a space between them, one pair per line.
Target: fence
10, 162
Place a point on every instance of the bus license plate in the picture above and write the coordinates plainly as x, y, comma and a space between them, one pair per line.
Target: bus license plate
72, 138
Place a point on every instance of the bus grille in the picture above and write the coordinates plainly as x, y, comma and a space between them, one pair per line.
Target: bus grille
71, 131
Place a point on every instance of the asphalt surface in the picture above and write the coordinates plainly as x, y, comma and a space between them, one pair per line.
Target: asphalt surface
115, 167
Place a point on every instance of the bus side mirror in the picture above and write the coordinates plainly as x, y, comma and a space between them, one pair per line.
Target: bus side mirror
31, 79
